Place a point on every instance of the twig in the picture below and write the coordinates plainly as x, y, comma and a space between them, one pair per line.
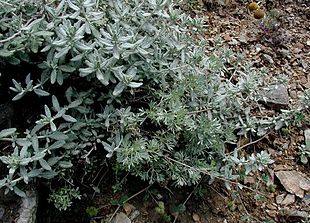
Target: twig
6, 3
217, 177
16, 34
251, 143
131, 197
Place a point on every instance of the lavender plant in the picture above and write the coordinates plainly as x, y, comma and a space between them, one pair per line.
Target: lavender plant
131, 79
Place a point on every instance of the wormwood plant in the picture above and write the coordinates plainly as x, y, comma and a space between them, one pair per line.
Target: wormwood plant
130, 78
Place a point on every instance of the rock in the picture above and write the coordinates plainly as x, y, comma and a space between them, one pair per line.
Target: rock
272, 213
28, 208
296, 213
121, 218
276, 97
249, 180
289, 199
1, 213
128, 208
280, 198
196, 217
268, 58
271, 207
294, 182
306, 199
134, 215
293, 94
303, 80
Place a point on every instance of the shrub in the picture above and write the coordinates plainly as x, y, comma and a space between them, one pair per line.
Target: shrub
133, 79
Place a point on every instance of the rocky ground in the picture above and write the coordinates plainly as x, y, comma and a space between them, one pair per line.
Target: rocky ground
279, 194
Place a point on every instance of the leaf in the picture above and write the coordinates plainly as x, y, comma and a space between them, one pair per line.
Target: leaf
49, 174
118, 89
58, 136
75, 103
47, 111
19, 192
116, 52
5, 53
68, 118
65, 164
44, 164
41, 92
67, 68
134, 84
19, 96
44, 33
38, 156
34, 173
304, 159
53, 76
55, 103
57, 144
53, 160
7, 132
53, 126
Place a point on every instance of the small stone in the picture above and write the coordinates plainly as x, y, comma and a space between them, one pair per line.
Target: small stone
249, 180
134, 215
272, 213
1, 212
268, 58
303, 80
271, 207
293, 86
293, 182
233, 42
196, 217
121, 218
227, 37
289, 199
280, 198
306, 199
243, 38
277, 96
128, 208
293, 94
304, 64
285, 53
296, 213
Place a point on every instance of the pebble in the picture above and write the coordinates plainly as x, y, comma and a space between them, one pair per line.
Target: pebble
277, 96
272, 213
268, 58
134, 215
303, 80
293, 94
128, 208
121, 218
289, 199
280, 198
196, 217
249, 180
306, 199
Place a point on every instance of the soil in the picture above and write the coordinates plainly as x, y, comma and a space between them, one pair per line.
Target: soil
283, 51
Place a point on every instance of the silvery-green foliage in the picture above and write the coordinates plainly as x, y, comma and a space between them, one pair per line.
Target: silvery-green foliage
139, 86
